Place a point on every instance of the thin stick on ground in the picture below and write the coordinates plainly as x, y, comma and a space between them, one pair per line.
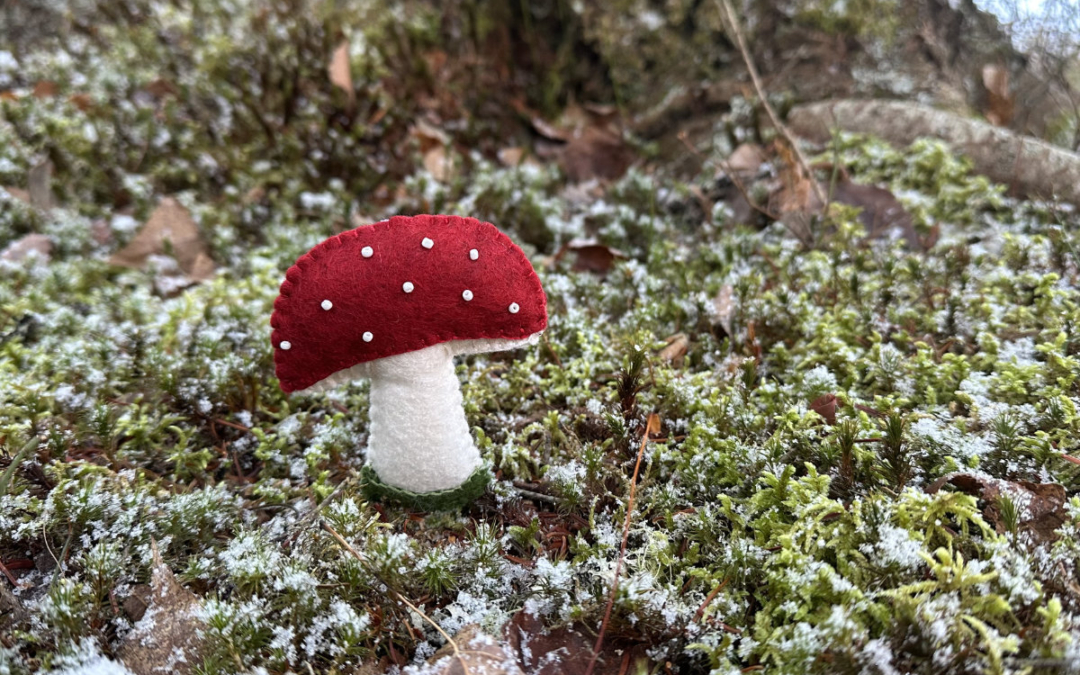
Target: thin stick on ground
652, 427
401, 598
736, 29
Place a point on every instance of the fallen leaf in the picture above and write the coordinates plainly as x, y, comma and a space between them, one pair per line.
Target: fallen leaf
81, 101
589, 145
341, 71
723, 308
746, 160
567, 650
596, 153
796, 193
18, 193
428, 136
677, 346
825, 405
254, 195
480, 654
1041, 505
30, 245
170, 233
511, 156
439, 164
45, 89
882, 214
590, 255
160, 88
1000, 103
39, 185
169, 636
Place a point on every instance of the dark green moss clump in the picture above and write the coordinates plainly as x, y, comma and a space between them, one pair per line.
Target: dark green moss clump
439, 500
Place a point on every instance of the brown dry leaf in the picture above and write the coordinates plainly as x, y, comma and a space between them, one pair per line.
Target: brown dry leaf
567, 650
796, 194
254, 195
1000, 103
428, 136
825, 405
883, 216
32, 244
511, 156
341, 72
1041, 505
168, 638
439, 164
675, 351
746, 159
589, 255
596, 152
480, 655
160, 88
589, 144
81, 101
18, 193
8, 95
45, 89
723, 308
169, 232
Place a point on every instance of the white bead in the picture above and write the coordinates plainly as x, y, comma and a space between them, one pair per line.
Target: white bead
327, 305
368, 336
286, 345
427, 243
514, 308
367, 252
407, 287
467, 295
474, 254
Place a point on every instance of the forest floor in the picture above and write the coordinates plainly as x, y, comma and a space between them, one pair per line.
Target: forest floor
859, 438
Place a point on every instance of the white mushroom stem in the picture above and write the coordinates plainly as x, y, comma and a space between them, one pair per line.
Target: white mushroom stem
419, 438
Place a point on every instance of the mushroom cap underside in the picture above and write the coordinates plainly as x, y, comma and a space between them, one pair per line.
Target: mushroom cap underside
398, 286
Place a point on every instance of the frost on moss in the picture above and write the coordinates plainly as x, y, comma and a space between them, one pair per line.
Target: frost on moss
762, 535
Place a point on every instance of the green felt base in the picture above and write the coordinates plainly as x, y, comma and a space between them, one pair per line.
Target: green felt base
439, 500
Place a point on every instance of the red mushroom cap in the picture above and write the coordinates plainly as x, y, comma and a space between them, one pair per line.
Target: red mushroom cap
399, 286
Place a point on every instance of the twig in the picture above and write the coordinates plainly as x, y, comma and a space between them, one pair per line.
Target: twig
708, 600
652, 426
10, 576
732, 174
401, 598
234, 425
740, 39
538, 496
308, 518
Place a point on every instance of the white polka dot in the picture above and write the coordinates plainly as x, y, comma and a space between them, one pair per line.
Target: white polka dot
514, 308
474, 254
427, 243
286, 345
368, 337
327, 305
467, 295
407, 287
367, 252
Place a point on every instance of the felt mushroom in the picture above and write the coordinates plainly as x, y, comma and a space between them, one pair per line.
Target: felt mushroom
394, 302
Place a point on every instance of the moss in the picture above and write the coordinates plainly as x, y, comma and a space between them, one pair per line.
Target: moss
762, 534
